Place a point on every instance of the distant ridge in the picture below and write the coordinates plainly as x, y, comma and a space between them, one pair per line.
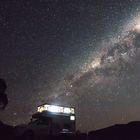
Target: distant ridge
130, 131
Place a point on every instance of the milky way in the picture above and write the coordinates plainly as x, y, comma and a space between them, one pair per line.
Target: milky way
110, 80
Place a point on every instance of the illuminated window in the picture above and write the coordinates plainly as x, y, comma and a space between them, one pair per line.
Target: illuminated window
56, 109
72, 118
67, 110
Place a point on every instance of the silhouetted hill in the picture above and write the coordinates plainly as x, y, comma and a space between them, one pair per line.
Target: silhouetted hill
130, 131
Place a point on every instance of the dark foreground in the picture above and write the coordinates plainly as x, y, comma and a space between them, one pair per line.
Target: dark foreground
130, 131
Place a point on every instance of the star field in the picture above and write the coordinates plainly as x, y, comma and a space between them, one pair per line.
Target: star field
75, 53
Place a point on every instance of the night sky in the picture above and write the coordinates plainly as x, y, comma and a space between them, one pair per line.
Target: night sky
81, 53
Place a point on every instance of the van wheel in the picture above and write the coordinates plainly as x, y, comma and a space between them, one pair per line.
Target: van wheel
28, 135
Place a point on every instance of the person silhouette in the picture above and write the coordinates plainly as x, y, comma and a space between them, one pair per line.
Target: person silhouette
3, 96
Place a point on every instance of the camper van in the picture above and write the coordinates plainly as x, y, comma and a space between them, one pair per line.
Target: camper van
49, 120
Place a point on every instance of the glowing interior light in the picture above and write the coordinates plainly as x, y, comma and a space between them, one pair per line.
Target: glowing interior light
53, 109
72, 118
56, 109
67, 110
72, 110
40, 109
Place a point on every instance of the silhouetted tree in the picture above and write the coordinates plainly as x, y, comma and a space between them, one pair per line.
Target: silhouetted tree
3, 96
